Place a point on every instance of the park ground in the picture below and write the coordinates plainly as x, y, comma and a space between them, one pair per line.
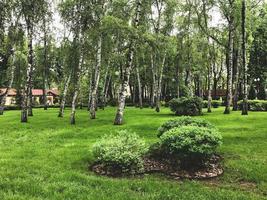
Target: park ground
48, 159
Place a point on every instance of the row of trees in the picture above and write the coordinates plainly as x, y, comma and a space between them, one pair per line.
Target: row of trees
153, 50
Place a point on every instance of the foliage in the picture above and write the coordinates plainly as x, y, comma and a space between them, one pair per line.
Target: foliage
252, 93
183, 121
191, 142
214, 103
254, 105
191, 106
122, 152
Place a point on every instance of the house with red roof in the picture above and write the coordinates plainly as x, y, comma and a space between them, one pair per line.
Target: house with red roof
37, 94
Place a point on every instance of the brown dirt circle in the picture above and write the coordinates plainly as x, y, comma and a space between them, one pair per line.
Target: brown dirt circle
211, 170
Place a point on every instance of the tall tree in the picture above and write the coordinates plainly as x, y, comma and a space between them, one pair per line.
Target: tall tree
128, 68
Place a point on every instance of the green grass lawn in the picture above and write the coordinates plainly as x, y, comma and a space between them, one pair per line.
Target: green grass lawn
48, 159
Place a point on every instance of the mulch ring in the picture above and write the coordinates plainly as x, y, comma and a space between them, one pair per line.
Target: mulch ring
211, 170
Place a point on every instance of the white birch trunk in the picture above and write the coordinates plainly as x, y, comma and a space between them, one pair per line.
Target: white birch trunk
125, 82
96, 78
64, 94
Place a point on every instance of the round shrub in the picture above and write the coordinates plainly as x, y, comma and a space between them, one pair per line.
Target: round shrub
183, 121
122, 152
191, 143
191, 106
216, 103
204, 104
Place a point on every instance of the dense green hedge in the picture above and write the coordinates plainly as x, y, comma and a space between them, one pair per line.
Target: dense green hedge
15, 107
254, 105
191, 106
214, 103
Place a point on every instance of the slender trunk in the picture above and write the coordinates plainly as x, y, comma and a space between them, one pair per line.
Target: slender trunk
106, 91
209, 89
245, 85
236, 82
125, 82
77, 85
45, 69
30, 113
159, 85
96, 79
139, 88
90, 90
63, 96
177, 79
229, 68
153, 88
105, 85
26, 102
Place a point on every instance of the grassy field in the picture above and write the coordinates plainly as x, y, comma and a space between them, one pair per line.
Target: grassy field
48, 159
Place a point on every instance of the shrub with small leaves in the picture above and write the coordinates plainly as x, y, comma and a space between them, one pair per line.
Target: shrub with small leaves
216, 103
191, 142
191, 106
254, 105
121, 152
183, 121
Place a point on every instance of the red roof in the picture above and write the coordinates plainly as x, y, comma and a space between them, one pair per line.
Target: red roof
35, 92
11, 92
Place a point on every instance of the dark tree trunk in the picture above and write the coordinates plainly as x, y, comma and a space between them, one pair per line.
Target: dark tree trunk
236, 81
230, 67
177, 79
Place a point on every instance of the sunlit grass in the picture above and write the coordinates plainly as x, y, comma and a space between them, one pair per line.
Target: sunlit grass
48, 159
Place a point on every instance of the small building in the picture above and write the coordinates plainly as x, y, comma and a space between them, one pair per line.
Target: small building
37, 94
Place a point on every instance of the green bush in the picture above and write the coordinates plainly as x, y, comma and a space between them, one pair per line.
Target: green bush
191, 106
204, 104
216, 103
190, 142
183, 121
254, 105
122, 152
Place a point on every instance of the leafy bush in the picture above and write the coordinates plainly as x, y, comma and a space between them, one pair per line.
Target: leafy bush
191, 143
191, 106
254, 105
122, 152
204, 104
183, 121
214, 103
